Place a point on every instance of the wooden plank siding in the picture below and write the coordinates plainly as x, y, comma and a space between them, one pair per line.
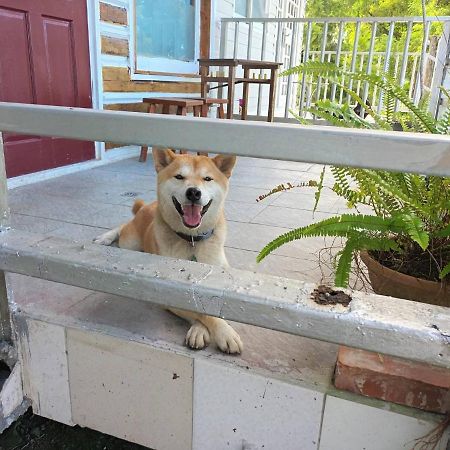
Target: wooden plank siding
115, 46
113, 14
118, 80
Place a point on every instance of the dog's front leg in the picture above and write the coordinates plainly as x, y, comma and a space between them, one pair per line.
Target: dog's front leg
204, 326
109, 237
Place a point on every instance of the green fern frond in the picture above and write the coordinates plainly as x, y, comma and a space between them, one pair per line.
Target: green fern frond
445, 271
319, 188
355, 244
344, 225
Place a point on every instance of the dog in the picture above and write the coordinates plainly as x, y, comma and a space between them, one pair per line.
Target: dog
187, 222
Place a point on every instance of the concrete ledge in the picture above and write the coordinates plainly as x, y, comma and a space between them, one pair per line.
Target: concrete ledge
119, 366
376, 323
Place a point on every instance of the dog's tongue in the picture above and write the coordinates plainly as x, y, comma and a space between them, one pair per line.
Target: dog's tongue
192, 214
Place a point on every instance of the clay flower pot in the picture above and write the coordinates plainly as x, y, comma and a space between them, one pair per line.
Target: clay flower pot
386, 281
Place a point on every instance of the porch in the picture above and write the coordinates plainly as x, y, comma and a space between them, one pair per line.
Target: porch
118, 365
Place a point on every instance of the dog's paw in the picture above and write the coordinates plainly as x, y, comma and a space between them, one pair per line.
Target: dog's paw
198, 336
107, 238
227, 339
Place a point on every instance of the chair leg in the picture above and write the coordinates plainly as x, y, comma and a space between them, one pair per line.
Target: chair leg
221, 111
144, 148
143, 155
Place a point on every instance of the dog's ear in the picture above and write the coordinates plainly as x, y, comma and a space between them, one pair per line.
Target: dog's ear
225, 164
162, 157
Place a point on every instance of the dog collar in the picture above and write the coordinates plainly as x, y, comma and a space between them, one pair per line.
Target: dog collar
197, 238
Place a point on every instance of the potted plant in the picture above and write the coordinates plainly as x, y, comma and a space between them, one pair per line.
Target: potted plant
405, 242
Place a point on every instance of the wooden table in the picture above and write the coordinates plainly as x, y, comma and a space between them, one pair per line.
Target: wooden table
200, 108
231, 80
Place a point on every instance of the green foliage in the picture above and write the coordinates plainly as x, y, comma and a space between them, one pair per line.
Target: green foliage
411, 212
377, 8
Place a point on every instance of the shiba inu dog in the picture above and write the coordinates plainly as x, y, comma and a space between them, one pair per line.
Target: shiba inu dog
187, 221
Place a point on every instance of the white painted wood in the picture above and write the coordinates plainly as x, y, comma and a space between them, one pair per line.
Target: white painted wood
348, 425
354, 55
305, 59
114, 30
412, 152
372, 322
95, 55
42, 349
415, 19
5, 317
387, 56
263, 53
291, 77
131, 390
442, 54
338, 56
265, 412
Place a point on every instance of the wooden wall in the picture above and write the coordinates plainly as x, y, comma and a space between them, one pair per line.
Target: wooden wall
120, 92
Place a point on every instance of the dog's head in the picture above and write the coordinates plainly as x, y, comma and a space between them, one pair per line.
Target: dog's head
191, 189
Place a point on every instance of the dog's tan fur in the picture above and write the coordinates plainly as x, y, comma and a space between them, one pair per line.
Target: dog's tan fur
154, 226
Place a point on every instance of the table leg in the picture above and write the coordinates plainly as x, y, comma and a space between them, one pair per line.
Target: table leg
181, 111
245, 94
205, 109
198, 111
144, 148
273, 80
221, 111
231, 79
203, 84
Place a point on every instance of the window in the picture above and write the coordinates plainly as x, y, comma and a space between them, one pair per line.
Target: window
167, 37
240, 7
258, 8
254, 8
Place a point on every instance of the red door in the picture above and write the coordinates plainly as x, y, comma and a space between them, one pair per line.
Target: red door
44, 59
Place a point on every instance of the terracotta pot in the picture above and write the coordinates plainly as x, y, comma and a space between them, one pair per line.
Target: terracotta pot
386, 281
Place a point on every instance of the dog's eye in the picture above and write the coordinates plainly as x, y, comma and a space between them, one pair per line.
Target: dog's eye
179, 177
208, 179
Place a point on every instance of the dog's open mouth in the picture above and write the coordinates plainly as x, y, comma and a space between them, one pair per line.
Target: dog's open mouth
192, 213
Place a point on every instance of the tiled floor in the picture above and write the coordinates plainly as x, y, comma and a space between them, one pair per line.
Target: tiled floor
119, 365
83, 205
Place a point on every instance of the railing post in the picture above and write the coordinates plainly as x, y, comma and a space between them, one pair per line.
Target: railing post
354, 56
223, 49
338, 57
5, 318
263, 52
322, 57
386, 66
442, 60
292, 63
305, 59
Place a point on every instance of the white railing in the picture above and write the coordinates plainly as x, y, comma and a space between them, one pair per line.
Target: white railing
292, 41
381, 324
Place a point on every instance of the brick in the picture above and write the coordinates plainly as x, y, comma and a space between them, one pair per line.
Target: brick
393, 379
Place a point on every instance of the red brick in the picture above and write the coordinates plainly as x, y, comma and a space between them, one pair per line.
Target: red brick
393, 379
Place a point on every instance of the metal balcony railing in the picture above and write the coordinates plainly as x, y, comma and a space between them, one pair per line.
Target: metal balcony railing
373, 45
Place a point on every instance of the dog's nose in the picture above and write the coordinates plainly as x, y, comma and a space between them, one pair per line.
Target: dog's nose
193, 194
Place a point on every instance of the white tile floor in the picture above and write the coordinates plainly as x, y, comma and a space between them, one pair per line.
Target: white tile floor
84, 204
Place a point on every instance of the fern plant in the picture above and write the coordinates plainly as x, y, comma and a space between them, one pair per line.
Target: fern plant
410, 226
